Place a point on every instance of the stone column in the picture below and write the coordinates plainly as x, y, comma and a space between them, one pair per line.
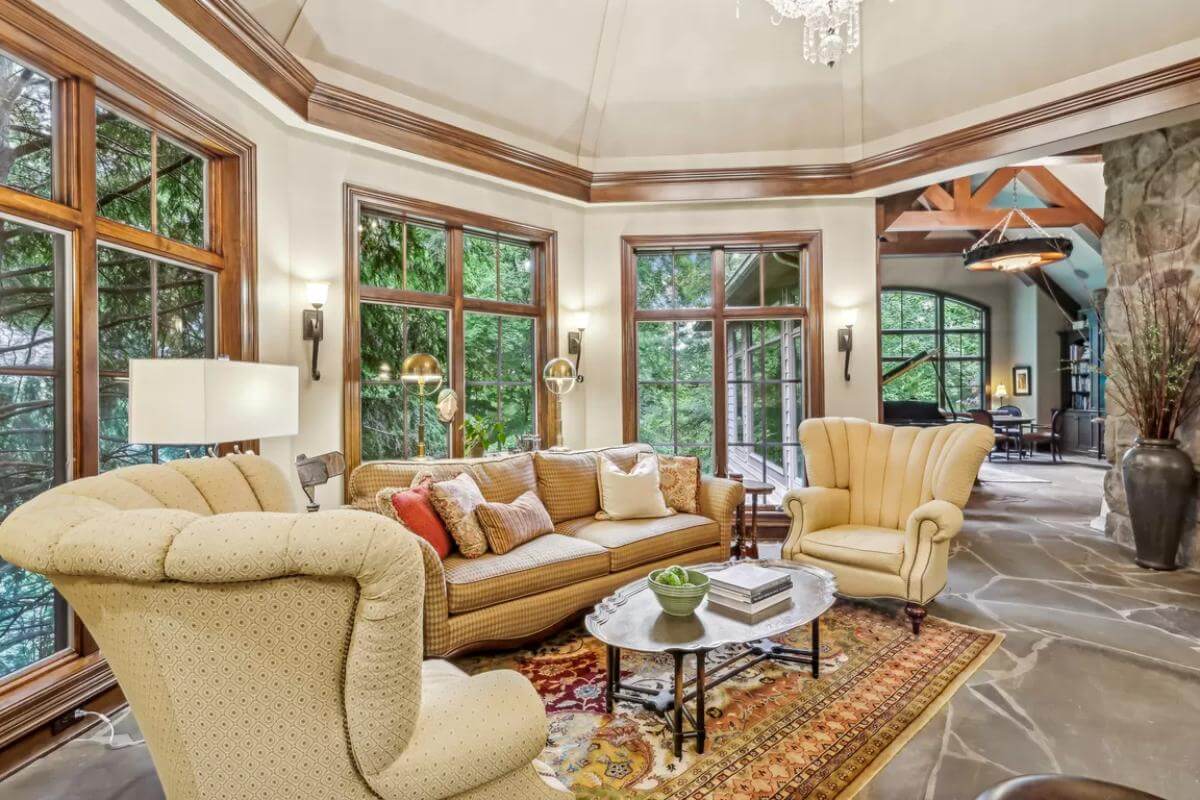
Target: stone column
1152, 208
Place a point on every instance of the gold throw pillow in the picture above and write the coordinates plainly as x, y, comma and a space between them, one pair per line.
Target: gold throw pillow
679, 479
507, 525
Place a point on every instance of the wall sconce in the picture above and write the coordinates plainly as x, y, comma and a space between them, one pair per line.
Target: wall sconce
845, 335
575, 341
313, 322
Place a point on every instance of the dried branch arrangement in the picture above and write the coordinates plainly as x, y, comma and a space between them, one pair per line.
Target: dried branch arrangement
1152, 363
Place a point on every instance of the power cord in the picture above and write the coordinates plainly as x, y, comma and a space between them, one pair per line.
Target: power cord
112, 730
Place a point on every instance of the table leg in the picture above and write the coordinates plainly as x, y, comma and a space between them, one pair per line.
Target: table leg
700, 728
751, 550
816, 647
612, 678
678, 710
739, 540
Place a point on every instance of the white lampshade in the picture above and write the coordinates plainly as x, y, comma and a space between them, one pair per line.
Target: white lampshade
846, 317
211, 401
317, 293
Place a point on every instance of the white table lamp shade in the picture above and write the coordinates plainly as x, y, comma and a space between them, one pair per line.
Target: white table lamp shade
210, 401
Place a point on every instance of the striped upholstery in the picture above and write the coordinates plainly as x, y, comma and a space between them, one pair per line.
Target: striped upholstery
545, 563
507, 525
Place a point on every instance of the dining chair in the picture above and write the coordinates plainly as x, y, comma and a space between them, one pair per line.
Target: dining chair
1004, 437
1050, 435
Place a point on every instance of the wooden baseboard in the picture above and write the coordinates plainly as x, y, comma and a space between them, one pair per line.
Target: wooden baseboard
43, 740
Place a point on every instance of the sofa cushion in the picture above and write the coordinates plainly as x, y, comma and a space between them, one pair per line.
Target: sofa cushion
679, 479
413, 508
630, 495
631, 542
546, 563
567, 484
504, 479
455, 501
880, 549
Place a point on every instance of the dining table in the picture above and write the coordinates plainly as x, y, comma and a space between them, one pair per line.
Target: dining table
1012, 424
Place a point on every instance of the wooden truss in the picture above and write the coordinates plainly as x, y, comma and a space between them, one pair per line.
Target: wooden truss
948, 217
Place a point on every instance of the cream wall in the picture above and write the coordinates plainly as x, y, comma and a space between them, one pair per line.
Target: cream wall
301, 174
847, 230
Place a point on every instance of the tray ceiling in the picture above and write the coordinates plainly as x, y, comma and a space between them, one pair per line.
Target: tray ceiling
632, 84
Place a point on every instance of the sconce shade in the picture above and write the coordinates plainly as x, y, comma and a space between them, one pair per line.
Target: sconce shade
847, 317
423, 370
210, 401
317, 293
559, 375
581, 320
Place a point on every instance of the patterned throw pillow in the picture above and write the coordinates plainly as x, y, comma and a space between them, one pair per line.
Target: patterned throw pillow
455, 501
507, 525
679, 479
413, 508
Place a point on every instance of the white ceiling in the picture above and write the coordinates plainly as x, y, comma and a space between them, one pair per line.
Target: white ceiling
615, 84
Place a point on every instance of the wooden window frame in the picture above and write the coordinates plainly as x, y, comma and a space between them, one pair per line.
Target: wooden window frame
939, 332
543, 309
719, 315
83, 73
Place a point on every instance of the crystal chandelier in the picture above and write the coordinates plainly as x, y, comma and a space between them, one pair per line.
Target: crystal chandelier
831, 27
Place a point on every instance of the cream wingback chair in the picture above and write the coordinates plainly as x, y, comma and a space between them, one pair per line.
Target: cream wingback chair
882, 505
270, 654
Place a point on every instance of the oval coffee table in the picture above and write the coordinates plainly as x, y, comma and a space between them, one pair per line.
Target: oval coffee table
631, 619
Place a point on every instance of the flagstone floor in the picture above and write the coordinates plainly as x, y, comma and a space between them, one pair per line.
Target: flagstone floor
1099, 673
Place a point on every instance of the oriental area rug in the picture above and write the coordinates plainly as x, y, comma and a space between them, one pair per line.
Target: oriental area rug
773, 731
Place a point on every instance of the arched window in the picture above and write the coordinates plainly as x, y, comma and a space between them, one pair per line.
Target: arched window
913, 321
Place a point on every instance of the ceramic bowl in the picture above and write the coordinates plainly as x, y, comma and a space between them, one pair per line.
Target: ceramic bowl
679, 601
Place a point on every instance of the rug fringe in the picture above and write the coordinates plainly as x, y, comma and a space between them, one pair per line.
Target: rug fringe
930, 711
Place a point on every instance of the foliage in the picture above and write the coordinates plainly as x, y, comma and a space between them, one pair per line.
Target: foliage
914, 322
1151, 363
134, 321
483, 434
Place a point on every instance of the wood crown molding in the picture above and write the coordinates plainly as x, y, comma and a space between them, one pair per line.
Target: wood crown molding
233, 31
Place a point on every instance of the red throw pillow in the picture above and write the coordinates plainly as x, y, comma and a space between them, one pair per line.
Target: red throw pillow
416, 512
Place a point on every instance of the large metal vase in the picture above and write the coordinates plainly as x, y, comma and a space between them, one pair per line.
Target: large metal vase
1159, 482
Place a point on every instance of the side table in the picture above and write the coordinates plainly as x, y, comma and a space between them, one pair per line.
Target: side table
748, 547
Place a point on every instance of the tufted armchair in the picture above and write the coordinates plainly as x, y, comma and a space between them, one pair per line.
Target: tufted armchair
882, 505
268, 653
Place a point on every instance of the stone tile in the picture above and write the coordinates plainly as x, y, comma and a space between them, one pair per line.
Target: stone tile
1042, 594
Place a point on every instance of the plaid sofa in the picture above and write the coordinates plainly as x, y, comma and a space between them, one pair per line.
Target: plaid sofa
497, 601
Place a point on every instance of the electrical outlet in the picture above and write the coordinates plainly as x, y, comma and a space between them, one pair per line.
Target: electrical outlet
64, 721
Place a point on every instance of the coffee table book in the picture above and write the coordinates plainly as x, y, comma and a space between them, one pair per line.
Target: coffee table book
752, 609
750, 582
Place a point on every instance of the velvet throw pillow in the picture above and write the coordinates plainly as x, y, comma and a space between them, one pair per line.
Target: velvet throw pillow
679, 479
455, 501
413, 508
507, 525
630, 495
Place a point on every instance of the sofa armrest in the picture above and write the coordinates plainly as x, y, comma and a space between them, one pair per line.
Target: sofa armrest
926, 535
437, 604
940, 520
813, 508
471, 731
719, 500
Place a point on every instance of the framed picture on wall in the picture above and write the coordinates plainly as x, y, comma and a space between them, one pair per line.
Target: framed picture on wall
1022, 381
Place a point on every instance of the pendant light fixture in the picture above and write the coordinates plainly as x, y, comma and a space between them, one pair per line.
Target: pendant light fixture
994, 252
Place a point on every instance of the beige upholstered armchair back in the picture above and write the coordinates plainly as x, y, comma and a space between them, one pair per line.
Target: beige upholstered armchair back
889, 471
262, 650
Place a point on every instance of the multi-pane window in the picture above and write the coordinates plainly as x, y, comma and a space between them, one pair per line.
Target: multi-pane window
432, 280
147, 309
389, 334
915, 321
500, 385
146, 180
26, 128
721, 342
675, 388
34, 352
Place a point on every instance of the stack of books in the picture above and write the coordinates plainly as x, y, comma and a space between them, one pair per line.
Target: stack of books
750, 592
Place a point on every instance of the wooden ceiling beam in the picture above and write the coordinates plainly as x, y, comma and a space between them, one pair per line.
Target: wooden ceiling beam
935, 197
1051, 191
981, 218
992, 187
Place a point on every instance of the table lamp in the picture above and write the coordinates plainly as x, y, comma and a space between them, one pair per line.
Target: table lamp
425, 373
1000, 393
188, 401
559, 375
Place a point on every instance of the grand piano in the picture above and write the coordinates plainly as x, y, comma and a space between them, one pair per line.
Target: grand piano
918, 412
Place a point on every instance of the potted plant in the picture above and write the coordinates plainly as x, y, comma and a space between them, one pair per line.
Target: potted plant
480, 434
1152, 352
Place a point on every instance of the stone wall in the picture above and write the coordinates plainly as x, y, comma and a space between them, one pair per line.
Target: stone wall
1152, 208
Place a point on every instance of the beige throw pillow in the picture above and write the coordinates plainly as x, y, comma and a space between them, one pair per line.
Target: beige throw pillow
630, 495
679, 478
507, 525
455, 501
